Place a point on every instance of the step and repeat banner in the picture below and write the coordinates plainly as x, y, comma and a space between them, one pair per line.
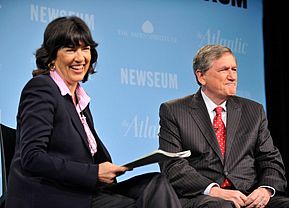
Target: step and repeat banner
145, 51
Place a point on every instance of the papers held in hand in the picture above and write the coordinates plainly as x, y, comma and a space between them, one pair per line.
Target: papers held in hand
156, 156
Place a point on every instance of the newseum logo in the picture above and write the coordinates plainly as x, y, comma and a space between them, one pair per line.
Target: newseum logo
144, 78
47, 14
234, 3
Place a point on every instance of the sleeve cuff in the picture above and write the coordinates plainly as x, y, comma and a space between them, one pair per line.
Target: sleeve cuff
208, 189
269, 187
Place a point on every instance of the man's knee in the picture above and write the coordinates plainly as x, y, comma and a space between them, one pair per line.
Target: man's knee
205, 201
219, 203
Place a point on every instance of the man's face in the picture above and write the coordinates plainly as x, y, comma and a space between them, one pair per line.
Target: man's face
220, 81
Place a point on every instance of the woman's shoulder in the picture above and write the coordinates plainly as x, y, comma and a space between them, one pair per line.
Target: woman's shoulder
41, 78
40, 81
41, 85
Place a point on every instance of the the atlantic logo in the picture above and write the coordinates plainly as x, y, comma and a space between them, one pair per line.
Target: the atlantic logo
145, 78
148, 33
47, 14
234, 3
236, 44
140, 128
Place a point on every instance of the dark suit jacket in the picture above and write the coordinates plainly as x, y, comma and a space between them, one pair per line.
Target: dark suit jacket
250, 160
52, 166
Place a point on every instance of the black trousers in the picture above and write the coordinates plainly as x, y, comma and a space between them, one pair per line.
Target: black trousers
204, 201
151, 190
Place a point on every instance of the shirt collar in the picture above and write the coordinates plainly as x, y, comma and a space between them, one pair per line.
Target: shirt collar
83, 98
210, 104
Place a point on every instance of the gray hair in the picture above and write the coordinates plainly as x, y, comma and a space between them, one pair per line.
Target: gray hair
206, 55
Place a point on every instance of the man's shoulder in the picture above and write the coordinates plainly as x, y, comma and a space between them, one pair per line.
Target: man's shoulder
245, 101
180, 100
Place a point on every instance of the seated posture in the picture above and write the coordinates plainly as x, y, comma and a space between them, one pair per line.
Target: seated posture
234, 162
59, 161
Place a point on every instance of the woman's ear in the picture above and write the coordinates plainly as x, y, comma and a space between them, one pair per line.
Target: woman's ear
51, 66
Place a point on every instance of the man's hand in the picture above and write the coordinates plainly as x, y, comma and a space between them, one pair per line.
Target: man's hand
235, 196
108, 171
259, 198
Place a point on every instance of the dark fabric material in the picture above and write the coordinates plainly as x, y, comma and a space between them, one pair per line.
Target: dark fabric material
147, 190
204, 201
251, 160
8, 140
111, 200
278, 202
8, 137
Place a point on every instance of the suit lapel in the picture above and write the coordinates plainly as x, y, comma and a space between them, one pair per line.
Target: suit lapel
101, 149
233, 120
200, 115
75, 119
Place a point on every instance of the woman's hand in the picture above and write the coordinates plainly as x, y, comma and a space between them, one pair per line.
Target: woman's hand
108, 171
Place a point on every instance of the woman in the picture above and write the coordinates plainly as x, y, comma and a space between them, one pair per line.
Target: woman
59, 160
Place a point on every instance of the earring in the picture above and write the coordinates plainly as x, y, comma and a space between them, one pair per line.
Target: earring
51, 66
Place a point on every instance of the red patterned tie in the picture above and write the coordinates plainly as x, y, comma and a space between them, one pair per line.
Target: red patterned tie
220, 131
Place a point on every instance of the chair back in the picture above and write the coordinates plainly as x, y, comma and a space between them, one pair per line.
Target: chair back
7, 149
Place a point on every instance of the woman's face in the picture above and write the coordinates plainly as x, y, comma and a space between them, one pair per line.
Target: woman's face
72, 63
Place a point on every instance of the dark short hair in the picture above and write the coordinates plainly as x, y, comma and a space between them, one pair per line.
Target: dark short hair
206, 55
62, 32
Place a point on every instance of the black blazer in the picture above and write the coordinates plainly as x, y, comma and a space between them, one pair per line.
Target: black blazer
52, 165
250, 160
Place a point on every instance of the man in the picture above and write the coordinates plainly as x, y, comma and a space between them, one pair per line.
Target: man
234, 162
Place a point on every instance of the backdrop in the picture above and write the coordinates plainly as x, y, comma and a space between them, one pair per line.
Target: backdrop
276, 44
145, 51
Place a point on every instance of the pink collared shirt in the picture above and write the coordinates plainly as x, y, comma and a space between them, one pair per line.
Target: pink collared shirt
83, 101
